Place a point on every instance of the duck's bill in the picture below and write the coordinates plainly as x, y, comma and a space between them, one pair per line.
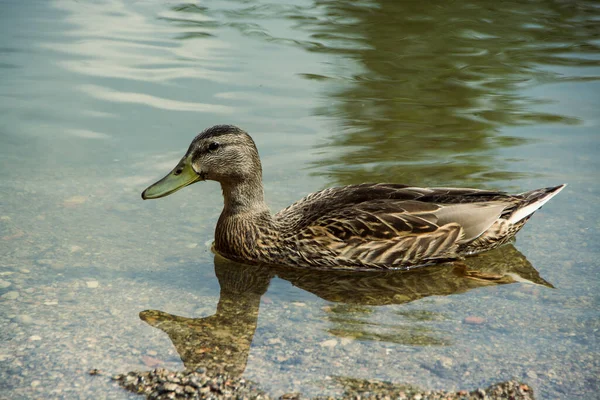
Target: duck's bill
181, 176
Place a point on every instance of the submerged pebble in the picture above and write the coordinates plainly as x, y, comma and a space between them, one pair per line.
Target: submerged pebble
329, 343
24, 319
92, 284
74, 201
10, 295
474, 320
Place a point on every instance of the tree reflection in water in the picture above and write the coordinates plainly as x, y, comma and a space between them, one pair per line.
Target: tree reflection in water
422, 90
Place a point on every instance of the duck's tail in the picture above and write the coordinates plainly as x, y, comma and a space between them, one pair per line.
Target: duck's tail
533, 201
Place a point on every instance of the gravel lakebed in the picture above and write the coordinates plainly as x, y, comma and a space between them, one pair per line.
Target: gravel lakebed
164, 384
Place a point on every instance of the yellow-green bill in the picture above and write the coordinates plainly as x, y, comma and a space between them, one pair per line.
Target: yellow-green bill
181, 176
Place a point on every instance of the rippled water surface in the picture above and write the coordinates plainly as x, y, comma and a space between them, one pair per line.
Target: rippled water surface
99, 99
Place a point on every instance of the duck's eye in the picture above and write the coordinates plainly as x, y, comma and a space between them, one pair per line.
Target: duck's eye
213, 146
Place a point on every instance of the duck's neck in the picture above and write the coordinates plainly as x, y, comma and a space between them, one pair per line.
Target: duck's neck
244, 197
244, 223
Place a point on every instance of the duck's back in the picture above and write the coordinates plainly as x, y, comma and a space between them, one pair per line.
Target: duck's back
391, 225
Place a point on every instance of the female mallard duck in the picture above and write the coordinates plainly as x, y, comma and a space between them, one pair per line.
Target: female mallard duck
366, 226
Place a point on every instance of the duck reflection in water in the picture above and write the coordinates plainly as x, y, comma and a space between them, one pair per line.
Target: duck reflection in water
221, 342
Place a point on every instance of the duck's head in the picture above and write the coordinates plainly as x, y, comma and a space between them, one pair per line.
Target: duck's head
223, 153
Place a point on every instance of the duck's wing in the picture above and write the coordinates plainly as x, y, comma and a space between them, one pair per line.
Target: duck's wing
324, 201
390, 232
316, 204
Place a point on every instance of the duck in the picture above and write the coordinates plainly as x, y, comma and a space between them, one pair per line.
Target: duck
368, 226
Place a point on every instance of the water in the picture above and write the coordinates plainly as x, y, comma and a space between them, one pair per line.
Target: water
99, 99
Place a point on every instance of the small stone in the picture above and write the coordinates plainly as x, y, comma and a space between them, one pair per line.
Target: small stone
266, 300
290, 396
57, 266
24, 270
35, 383
4, 284
401, 298
92, 284
282, 358
444, 363
35, 338
24, 319
473, 320
10, 295
74, 201
299, 304
151, 362
532, 374
274, 341
189, 389
170, 387
75, 249
329, 343
192, 245
346, 341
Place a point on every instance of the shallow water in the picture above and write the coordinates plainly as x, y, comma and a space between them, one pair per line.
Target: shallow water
100, 99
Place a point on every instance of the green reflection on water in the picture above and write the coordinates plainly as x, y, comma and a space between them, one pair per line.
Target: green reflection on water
435, 82
222, 342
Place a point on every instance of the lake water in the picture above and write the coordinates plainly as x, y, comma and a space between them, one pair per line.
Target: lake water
101, 98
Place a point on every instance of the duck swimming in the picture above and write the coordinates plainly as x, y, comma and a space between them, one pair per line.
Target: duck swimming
364, 226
